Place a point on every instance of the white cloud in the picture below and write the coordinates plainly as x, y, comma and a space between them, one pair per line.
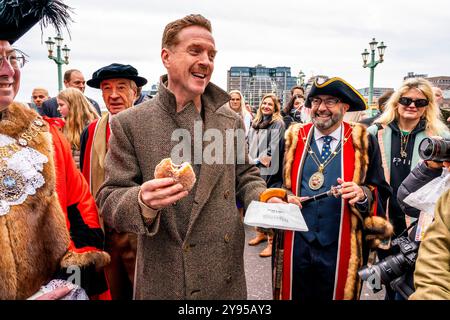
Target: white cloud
318, 37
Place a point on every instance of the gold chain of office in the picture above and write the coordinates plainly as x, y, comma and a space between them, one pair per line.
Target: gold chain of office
9, 150
12, 182
317, 179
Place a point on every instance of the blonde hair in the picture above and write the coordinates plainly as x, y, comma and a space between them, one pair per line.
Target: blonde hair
242, 110
276, 112
433, 124
81, 113
40, 89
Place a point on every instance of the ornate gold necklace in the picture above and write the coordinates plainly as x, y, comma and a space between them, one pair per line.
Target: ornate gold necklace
12, 183
317, 179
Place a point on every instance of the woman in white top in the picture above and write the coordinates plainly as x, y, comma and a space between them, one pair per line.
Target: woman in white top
237, 104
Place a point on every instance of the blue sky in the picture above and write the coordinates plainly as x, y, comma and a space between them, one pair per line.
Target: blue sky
318, 37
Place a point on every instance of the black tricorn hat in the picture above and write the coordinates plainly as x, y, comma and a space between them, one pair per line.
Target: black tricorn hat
115, 71
338, 88
19, 16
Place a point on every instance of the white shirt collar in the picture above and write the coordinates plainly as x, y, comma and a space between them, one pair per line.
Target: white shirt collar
336, 134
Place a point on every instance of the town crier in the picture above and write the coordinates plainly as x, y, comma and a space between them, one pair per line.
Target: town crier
322, 263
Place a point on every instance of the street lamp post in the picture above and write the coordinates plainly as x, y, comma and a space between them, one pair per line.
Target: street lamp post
58, 59
373, 63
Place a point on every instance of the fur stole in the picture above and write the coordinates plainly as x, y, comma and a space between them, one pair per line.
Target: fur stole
33, 235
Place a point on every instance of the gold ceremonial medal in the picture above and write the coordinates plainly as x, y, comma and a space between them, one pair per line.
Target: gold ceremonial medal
12, 184
316, 181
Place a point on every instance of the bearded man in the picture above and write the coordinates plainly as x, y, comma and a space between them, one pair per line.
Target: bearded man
322, 263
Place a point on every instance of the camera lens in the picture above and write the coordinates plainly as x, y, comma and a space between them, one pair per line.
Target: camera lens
434, 149
392, 267
366, 272
386, 270
426, 149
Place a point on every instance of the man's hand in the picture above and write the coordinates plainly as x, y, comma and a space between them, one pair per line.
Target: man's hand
351, 191
433, 164
275, 200
296, 200
265, 161
161, 193
448, 120
56, 294
291, 199
447, 165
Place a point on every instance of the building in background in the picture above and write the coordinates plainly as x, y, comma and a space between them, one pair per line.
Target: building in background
377, 92
414, 75
255, 82
442, 82
153, 90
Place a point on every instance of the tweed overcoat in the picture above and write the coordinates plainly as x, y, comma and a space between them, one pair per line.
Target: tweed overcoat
202, 259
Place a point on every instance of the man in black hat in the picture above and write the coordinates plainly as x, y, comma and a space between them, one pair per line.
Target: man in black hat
49, 226
322, 263
119, 84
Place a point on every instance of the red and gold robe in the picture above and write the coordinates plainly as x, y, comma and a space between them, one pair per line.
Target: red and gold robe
53, 229
359, 153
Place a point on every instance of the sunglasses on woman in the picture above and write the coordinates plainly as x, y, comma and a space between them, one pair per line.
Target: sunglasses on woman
419, 103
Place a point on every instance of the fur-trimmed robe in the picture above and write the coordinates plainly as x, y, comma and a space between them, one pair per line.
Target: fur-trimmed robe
53, 229
367, 172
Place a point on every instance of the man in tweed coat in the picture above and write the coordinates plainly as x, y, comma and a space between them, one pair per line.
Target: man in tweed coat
190, 244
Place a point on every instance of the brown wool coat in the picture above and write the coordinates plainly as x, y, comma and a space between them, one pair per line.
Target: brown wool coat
207, 262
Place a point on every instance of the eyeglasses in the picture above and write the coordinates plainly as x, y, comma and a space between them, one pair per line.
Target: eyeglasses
419, 103
330, 102
15, 58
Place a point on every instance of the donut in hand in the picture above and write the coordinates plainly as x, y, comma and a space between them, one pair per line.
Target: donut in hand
182, 173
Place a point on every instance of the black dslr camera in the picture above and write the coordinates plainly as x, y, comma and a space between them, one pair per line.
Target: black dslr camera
434, 149
391, 270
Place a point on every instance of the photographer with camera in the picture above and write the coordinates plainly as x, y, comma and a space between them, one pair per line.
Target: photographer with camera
397, 270
432, 270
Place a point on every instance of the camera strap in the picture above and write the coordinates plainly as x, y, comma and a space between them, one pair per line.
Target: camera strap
407, 229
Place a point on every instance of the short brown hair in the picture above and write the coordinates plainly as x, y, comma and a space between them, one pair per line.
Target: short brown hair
68, 74
171, 31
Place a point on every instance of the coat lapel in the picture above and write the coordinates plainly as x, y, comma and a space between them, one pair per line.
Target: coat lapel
213, 100
209, 172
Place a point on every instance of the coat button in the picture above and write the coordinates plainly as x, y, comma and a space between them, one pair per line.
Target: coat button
228, 279
226, 238
186, 248
226, 194
195, 293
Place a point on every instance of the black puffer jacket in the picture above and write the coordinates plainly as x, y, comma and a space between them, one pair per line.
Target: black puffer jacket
418, 177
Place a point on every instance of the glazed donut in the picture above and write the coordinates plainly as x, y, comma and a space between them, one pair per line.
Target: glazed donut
182, 173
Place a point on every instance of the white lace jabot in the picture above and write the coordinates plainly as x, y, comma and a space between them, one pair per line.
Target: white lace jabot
20, 175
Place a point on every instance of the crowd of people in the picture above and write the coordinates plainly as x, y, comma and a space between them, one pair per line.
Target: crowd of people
82, 215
